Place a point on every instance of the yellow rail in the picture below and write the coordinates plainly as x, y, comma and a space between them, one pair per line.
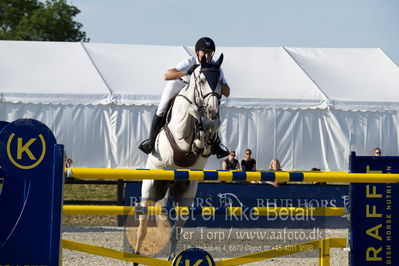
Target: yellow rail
205, 211
324, 246
229, 176
112, 253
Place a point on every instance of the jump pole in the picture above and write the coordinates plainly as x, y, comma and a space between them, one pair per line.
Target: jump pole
204, 211
231, 176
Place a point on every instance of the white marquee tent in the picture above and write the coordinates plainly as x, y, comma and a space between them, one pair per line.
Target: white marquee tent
308, 107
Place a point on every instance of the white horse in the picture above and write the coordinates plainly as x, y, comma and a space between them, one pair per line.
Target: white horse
185, 142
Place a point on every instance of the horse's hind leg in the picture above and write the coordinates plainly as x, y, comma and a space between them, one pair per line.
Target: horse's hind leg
185, 199
151, 192
142, 228
174, 237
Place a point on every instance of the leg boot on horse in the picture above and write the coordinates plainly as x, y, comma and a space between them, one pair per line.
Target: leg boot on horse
156, 125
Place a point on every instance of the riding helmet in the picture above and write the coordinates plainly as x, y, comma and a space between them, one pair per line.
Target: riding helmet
205, 44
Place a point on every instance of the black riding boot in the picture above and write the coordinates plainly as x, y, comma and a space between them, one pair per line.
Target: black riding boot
156, 125
218, 150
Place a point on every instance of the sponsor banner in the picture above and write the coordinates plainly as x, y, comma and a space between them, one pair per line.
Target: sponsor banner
374, 213
261, 195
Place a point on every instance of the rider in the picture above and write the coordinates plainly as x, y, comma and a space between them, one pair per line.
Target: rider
204, 47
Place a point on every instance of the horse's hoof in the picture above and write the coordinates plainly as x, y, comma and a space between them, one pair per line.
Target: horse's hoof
135, 263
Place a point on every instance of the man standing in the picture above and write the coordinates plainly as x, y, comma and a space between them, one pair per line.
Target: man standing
377, 151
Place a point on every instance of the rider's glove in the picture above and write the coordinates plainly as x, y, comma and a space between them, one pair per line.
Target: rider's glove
191, 69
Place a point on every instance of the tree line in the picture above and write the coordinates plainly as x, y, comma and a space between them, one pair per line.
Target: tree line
33, 20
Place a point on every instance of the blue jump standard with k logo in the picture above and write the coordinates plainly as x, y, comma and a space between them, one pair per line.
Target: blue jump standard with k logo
31, 164
193, 256
374, 237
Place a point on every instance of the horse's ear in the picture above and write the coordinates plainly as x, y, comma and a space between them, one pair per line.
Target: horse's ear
220, 60
203, 61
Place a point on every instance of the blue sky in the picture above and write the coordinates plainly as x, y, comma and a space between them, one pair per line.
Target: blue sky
292, 23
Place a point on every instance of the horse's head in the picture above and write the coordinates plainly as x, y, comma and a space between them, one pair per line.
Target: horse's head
203, 94
208, 87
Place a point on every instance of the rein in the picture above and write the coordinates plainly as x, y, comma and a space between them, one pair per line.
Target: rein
185, 97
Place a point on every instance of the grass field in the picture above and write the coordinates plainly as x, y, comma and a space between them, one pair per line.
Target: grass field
90, 192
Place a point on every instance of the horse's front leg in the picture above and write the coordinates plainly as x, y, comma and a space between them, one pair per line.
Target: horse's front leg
214, 129
199, 143
210, 136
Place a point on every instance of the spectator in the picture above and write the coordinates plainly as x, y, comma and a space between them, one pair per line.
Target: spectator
274, 166
377, 151
248, 163
314, 169
231, 163
67, 165
68, 162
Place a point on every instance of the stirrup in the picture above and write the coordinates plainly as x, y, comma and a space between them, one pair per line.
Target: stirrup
218, 150
220, 153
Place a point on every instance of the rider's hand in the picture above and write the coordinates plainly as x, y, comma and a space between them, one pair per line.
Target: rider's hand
191, 69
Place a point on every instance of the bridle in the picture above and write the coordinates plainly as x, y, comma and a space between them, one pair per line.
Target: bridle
213, 93
198, 91
199, 94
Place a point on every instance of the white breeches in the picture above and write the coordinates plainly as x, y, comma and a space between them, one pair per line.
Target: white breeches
171, 89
